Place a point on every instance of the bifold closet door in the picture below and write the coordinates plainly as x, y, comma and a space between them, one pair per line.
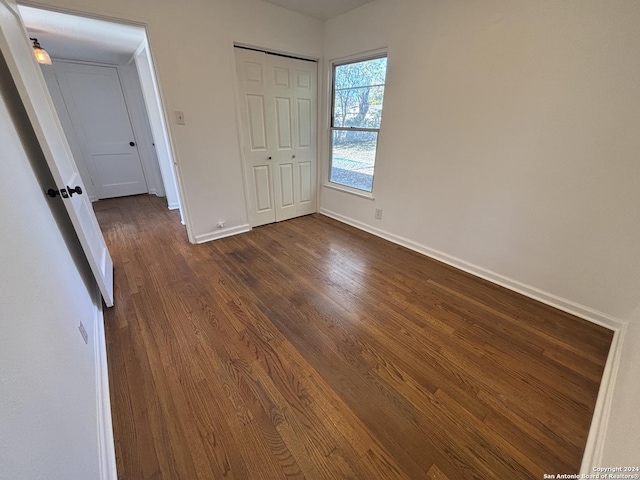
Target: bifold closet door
278, 105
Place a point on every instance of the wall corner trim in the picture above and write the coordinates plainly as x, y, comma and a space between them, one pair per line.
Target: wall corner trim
222, 233
106, 445
600, 421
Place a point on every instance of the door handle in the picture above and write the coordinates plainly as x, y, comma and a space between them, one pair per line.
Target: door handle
132, 144
64, 192
54, 193
77, 190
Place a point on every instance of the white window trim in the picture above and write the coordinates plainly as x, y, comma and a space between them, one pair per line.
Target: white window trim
359, 57
353, 191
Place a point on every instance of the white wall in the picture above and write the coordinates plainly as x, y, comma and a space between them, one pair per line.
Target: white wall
510, 140
192, 47
48, 413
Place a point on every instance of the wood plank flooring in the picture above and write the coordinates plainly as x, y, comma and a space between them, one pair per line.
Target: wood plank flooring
310, 349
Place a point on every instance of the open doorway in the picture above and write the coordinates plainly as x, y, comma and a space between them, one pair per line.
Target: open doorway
103, 86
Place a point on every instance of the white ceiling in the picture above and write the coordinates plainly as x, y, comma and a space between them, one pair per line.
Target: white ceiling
88, 39
81, 38
321, 9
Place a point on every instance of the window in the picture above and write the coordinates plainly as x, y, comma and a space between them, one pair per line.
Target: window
358, 92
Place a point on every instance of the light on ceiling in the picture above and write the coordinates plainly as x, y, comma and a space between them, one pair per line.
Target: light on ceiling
41, 54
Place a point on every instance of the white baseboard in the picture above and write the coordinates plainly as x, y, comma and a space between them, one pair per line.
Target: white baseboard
159, 192
222, 233
107, 454
595, 441
547, 298
173, 206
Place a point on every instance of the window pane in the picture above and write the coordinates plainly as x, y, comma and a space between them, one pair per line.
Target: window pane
353, 158
359, 107
361, 74
358, 93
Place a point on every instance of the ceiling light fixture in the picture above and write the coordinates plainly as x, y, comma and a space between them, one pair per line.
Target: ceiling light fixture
41, 54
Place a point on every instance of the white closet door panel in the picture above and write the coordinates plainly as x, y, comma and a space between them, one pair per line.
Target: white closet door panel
286, 201
257, 122
256, 109
305, 182
281, 76
304, 123
252, 72
262, 188
278, 134
286, 184
305, 93
283, 123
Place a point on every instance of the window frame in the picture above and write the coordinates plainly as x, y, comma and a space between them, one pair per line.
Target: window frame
374, 55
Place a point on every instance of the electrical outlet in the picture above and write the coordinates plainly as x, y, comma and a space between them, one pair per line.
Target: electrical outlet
378, 214
179, 118
83, 332
221, 224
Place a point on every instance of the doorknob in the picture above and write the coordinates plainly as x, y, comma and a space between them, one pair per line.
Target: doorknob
132, 144
54, 193
77, 190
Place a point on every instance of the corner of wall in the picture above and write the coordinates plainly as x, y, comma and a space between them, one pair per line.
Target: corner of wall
597, 432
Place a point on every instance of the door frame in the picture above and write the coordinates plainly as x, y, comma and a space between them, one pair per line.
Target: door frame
159, 122
236, 92
158, 115
137, 134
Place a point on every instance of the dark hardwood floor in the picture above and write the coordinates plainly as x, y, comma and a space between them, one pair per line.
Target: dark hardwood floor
311, 349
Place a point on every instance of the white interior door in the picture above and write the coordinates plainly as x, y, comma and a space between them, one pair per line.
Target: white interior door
29, 81
278, 107
95, 101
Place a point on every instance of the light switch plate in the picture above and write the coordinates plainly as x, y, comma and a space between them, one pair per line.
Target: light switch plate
180, 118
